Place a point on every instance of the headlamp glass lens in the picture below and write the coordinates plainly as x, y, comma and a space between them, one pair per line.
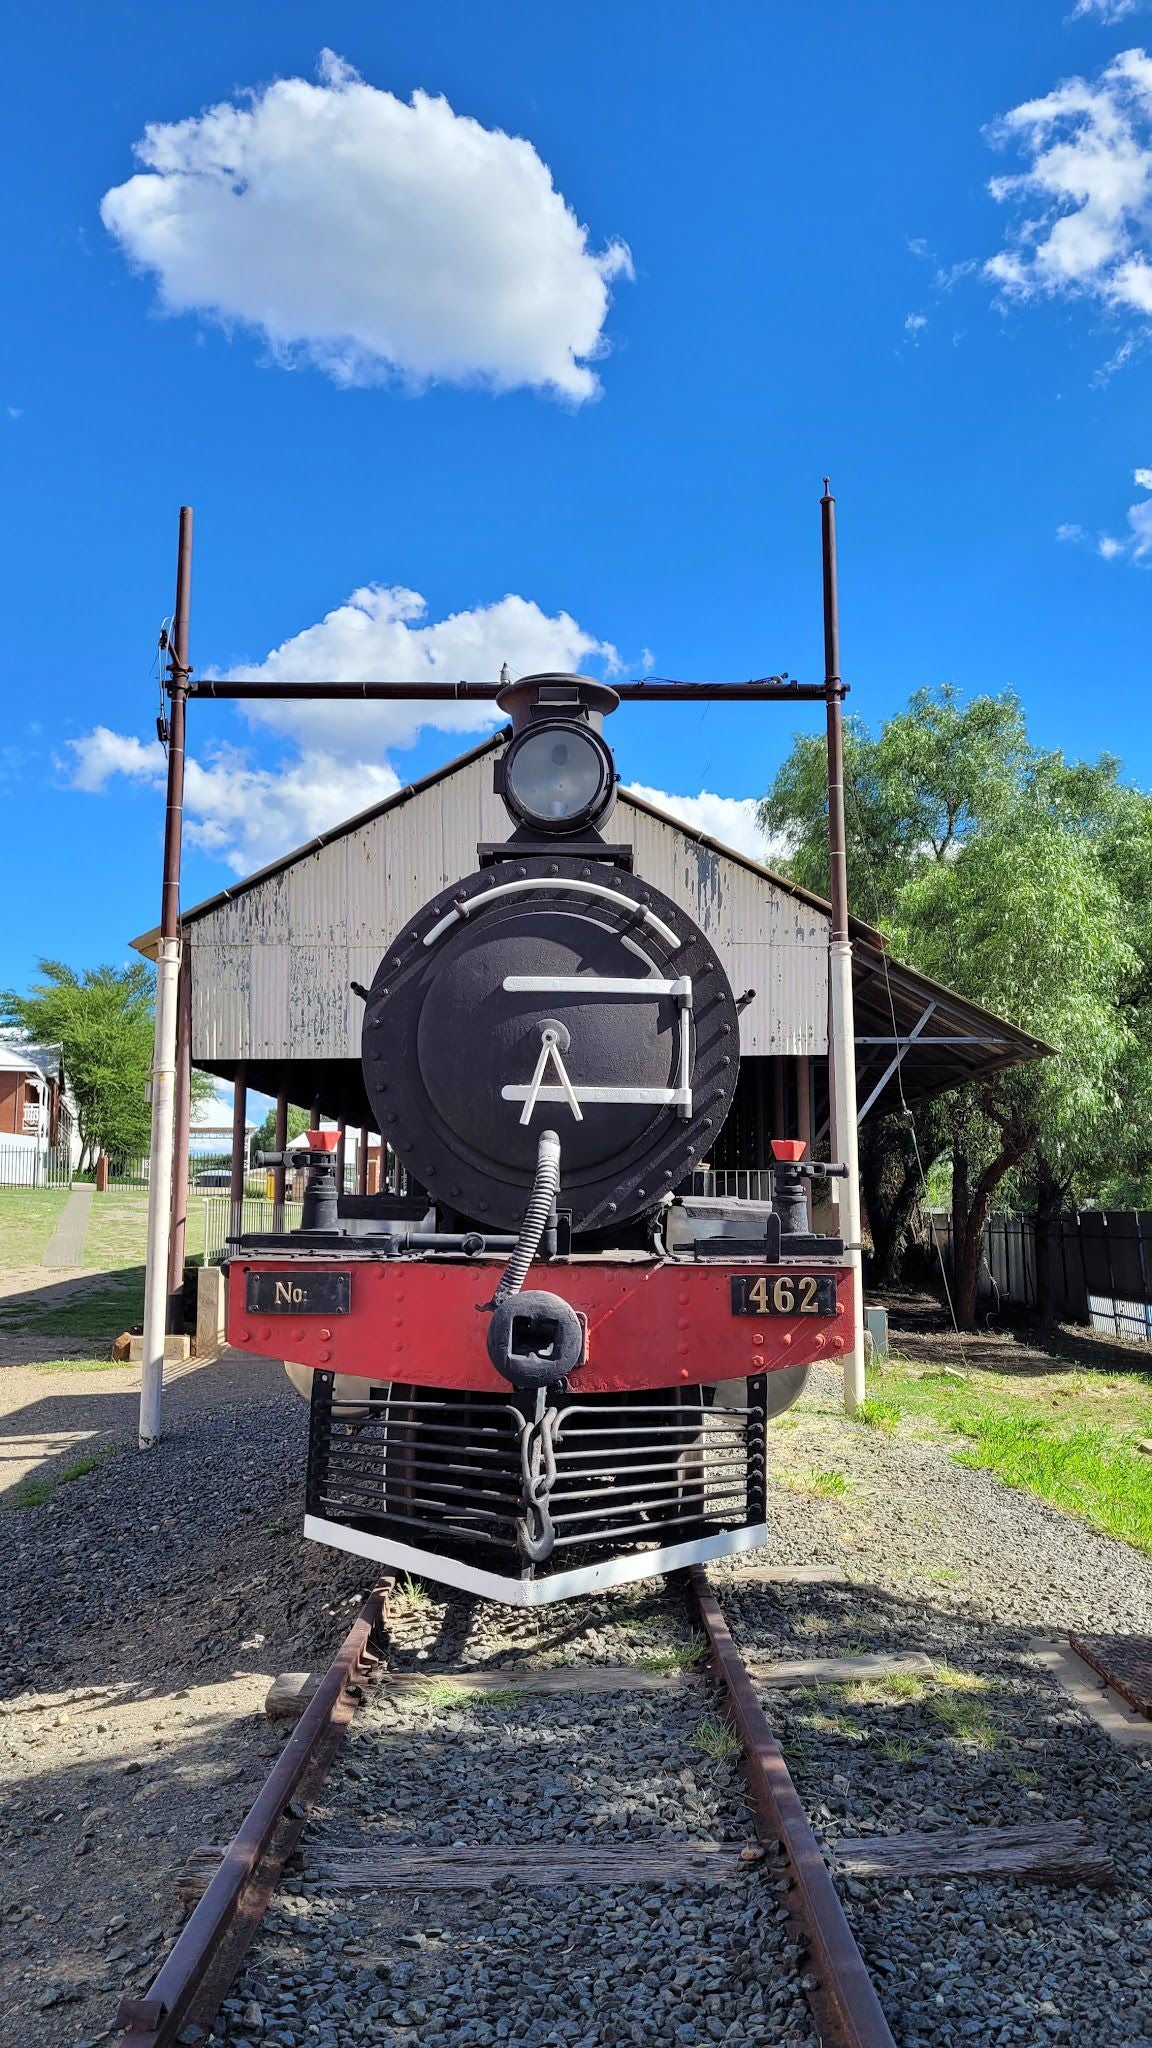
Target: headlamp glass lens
555, 775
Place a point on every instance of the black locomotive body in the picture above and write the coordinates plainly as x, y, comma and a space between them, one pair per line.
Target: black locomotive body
549, 1367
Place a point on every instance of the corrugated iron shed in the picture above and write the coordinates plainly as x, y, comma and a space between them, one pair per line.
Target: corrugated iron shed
273, 956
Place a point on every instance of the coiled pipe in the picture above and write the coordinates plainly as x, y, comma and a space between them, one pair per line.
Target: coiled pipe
545, 1189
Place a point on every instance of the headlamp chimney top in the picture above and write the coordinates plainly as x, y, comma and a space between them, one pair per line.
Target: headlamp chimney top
555, 697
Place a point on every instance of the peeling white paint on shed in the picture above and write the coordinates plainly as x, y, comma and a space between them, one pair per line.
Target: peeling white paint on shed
271, 966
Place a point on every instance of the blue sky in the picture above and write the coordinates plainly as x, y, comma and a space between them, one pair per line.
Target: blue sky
804, 192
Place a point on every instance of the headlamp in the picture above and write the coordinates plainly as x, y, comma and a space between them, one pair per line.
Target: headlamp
558, 777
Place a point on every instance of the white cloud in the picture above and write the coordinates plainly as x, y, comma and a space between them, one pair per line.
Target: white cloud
1084, 199
915, 322
1140, 530
1136, 544
245, 813
731, 819
372, 237
241, 814
381, 632
1109, 12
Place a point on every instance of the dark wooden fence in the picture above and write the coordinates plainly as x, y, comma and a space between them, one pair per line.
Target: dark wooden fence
1100, 1266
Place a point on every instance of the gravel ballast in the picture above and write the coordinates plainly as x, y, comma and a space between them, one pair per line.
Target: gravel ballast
590, 1966
146, 1605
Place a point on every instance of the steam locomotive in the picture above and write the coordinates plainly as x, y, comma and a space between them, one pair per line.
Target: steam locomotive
547, 1368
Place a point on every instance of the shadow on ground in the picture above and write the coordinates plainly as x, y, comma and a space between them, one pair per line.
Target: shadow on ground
921, 1328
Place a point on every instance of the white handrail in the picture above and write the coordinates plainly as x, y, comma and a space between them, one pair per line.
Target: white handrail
460, 912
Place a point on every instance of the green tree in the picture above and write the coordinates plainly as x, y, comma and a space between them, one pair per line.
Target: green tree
937, 772
299, 1120
102, 1017
1026, 922
1019, 879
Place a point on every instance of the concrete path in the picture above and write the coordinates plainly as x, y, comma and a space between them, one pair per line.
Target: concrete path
66, 1244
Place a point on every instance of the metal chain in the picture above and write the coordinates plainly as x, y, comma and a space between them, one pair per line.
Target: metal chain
534, 1530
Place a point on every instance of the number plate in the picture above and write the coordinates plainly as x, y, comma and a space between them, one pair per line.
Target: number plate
783, 1294
298, 1294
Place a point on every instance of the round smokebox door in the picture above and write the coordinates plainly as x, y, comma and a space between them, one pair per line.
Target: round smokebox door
525, 1000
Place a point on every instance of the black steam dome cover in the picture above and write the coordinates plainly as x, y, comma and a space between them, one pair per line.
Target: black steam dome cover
556, 992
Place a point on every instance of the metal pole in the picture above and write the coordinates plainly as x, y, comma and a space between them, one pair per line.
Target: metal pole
842, 1062
279, 1173
341, 1150
180, 1144
362, 1162
804, 1118
239, 1149
167, 1002
758, 690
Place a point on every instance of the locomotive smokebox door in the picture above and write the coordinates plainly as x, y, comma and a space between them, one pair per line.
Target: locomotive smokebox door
559, 991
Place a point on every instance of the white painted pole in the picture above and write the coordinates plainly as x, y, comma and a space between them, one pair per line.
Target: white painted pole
156, 1290
159, 1191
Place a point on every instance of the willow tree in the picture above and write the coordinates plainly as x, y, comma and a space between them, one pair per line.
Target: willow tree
1026, 922
1019, 880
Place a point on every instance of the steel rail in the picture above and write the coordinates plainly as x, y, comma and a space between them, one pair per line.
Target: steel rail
847, 2011
199, 1968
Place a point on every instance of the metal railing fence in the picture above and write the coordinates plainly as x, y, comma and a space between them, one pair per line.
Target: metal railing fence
256, 1213
734, 1184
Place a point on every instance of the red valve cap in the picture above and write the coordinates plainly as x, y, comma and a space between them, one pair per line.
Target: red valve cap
788, 1150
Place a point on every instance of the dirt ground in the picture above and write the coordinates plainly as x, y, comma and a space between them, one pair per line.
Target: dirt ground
921, 1329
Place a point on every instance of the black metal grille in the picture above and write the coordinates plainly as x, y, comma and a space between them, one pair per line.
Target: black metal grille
441, 1469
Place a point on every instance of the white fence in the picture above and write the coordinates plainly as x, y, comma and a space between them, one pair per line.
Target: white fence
29, 1163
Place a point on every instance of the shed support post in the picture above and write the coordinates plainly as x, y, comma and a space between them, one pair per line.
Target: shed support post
341, 1151
167, 1003
180, 1144
239, 1149
362, 1162
842, 1050
804, 1118
279, 1173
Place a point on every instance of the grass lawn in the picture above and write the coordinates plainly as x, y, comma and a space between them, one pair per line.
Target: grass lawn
114, 1246
99, 1315
28, 1216
118, 1229
1070, 1436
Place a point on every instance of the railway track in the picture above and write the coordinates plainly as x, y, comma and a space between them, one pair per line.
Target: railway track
592, 1837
